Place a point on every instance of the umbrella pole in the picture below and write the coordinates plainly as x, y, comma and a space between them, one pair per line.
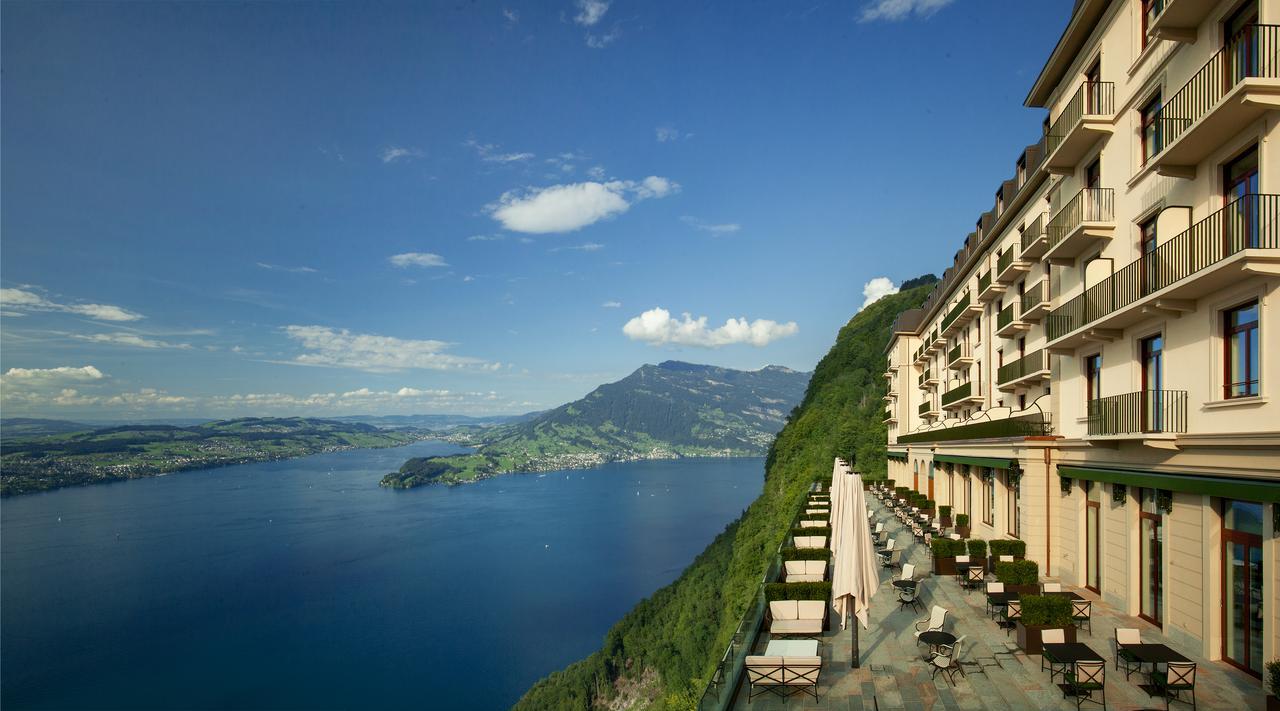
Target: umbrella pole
854, 625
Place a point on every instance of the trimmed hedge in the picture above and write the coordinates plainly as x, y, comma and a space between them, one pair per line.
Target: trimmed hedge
929, 505
806, 554
797, 591
947, 548
1046, 610
978, 548
1273, 673
1019, 572
1005, 546
944, 511
962, 519
814, 531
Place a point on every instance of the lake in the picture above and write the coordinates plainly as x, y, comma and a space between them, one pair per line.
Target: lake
303, 584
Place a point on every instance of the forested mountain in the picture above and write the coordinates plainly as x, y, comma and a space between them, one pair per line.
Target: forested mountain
660, 654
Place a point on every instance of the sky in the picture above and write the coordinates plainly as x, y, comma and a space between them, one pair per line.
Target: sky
230, 209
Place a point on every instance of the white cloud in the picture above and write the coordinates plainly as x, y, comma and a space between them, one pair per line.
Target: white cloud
656, 327
417, 259
485, 238
395, 153
344, 349
715, 229
898, 10
611, 305
590, 11
130, 339
278, 268
875, 289
491, 153
604, 40
25, 300
38, 377
666, 134
570, 207
584, 247
596, 172
511, 16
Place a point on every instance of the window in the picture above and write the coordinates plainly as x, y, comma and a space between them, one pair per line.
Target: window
1150, 10
1000, 200
1022, 171
1093, 377
1152, 141
1147, 248
1022, 401
1239, 197
1240, 338
1093, 87
1012, 499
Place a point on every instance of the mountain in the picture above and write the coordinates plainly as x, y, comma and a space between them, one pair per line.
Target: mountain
31, 426
433, 422
668, 410
660, 655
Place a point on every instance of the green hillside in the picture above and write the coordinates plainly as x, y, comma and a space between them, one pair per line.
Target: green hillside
661, 653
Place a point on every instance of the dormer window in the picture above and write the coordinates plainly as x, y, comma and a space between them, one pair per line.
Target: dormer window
1022, 171
1000, 200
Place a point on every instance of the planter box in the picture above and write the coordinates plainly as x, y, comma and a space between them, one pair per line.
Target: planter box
945, 522
1023, 589
993, 559
1273, 703
944, 566
1029, 637
963, 531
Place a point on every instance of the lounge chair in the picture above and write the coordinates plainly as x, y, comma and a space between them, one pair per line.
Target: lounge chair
798, 618
805, 571
784, 676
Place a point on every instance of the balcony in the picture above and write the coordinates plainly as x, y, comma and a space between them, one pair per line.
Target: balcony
1237, 242
937, 343
1032, 426
988, 289
959, 357
960, 396
1034, 302
928, 379
921, 356
1179, 19
1085, 220
1232, 90
890, 416
1085, 120
1139, 415
1008, 325
959, 315
1028, 370
1008, 267
1035, 241
928, 409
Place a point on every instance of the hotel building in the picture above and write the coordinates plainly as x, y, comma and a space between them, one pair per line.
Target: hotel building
1098, 372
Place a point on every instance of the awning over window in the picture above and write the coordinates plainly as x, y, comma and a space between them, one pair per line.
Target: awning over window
975, 461
1242, 489
897, 455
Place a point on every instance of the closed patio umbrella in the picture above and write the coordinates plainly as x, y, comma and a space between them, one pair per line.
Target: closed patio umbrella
856, 577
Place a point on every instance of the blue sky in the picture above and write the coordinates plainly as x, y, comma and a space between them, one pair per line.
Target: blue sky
484, 207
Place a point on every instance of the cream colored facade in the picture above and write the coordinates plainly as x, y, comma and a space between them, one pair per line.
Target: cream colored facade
1070, 382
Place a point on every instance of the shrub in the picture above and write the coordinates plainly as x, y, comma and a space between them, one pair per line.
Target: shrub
1007, 546
813, 531
978, 548
797, 591
806, 554
947, 548
962, 519
1273, 673
944, 511
1019, 572
1046, 610
901, 491
929, 505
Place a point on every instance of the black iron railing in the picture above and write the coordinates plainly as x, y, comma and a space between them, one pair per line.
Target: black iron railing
1249, 222
1006, 259
925, 407
1033, 426
1143, 412
984, 281
1033, 232
957, 393
955, 311
1006, 316
1033, 295
1033, 362
957, 352
1254, 51
1088, 205
1093, 98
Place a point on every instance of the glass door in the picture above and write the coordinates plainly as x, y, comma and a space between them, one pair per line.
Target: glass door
1240, 35
1240, 213
1150, 565
1242, 576
930, 481
1153, 384
1092, 544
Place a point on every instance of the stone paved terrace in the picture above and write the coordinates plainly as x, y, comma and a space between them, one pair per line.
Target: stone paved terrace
894, 675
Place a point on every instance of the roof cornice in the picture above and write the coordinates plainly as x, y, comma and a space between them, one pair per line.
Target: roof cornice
1083, 20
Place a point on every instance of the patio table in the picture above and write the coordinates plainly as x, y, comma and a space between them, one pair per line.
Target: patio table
1067, 654
905, 583
791, 648
937, 638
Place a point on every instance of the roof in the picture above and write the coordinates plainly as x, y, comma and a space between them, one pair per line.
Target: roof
1084, 17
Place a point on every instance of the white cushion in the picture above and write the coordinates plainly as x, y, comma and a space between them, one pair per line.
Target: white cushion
818, 567
804, 577
795, 567
783, 609
811, 609
795, 627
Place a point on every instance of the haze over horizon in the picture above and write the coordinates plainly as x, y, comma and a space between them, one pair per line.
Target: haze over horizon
226, 210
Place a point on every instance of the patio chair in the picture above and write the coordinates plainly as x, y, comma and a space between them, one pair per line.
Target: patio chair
992, 605
954, 536
961, 559
1053, 587
811, 541
933, 623
1125, 658
908, 596
908, 572
882, 537
797, 618
879, 528
1081, 613
784, 676
928, 540
884, 552
1012, 613
947, 660
975, 578
1051, 636
1004, 559
805, 571
1176, 678
917, 533
894, 559
1086, 678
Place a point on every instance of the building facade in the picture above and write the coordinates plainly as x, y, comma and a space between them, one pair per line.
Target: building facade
1098, 372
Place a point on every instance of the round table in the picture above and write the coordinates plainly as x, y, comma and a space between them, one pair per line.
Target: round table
937, 638
905, 583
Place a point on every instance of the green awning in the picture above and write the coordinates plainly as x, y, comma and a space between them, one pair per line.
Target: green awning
974, 461
897, 455
1242, 489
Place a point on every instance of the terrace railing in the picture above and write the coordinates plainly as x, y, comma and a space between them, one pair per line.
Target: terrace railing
1093, 98
1006, 316
1143, 412
955, 394
1033, 426
1027, 364
955, 311
984, 281
1254, 51
1033, 295
1088, 205
1033, 232
1005, 259
1249, 222
925, 407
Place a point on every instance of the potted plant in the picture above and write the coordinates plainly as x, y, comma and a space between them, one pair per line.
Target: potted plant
929, 505
1273, 677
1006, 546
962, 525
1043, 612
1020, 576
944, 516
945, 551
977, 549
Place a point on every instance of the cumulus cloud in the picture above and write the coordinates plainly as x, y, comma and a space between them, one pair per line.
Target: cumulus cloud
392, 154
566, 208
417, 259
37, 377
590, 12
132, 340
898, 10
279, 268
18, 300
717, 229
875, 289
656, 327
344, 349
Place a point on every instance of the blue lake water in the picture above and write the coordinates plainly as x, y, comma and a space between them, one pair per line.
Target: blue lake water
303, 584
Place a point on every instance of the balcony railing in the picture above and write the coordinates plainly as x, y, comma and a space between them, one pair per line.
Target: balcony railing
955, 353
925, 408
1143, 412
984, 281
1032, 362
1032, 234
955, 311
1033, 296
1035, 426
1249, 222
957, 393
1089, 205
1006, 316
1254, 51
1093, 98
1005, 260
